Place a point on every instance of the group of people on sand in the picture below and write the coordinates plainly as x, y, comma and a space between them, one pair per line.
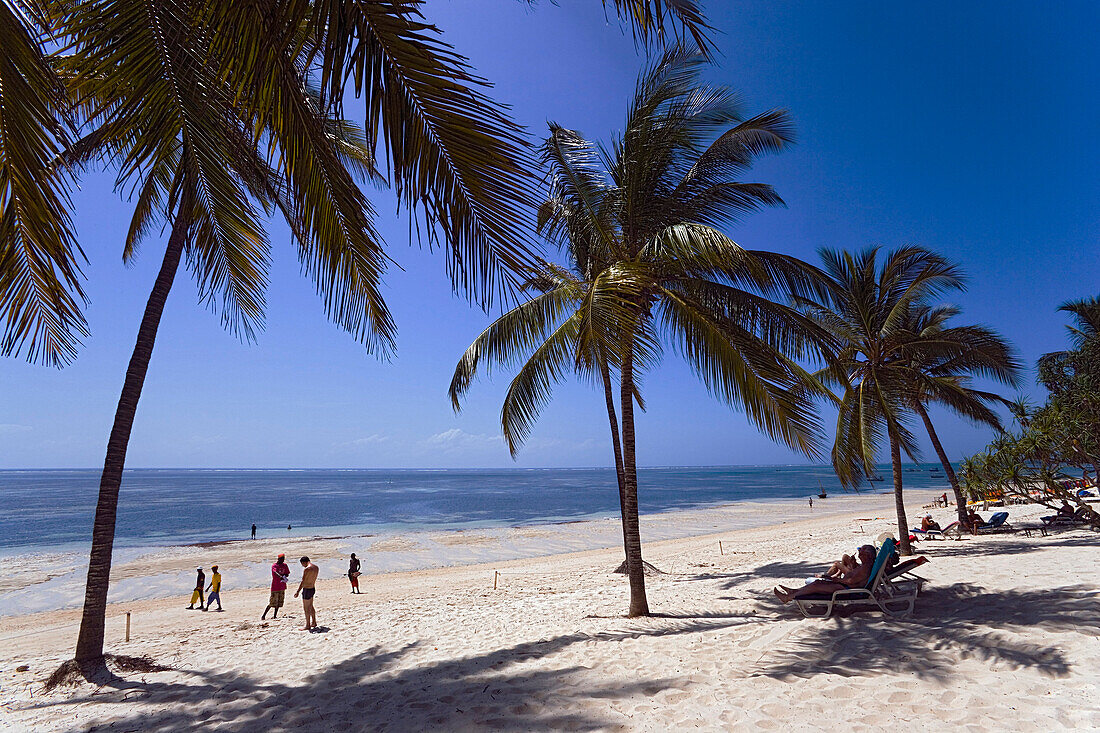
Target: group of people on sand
215, 589
307, 589
280, 575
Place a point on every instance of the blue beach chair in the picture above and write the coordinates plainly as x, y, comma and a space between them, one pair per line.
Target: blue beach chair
997, 523
893, 601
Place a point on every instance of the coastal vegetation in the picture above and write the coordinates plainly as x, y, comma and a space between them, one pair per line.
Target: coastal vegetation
213, 115
640, 222
1057, 443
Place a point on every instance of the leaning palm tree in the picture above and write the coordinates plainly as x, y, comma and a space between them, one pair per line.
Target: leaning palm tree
649, 268
149, 86
866, 308
945, 357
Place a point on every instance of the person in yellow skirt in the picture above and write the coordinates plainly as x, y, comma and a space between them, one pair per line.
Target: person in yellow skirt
200, 584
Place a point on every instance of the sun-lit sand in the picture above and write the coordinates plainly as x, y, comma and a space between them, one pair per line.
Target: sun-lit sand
1005, 636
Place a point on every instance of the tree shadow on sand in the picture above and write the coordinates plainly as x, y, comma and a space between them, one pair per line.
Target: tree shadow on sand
776, 570
1013, 544
488, 691
957, 622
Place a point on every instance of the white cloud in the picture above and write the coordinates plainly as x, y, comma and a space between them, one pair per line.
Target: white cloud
456, 439
374, 439
14, 428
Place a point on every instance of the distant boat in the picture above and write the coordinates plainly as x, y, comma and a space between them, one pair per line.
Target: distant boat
821, 491
875, 478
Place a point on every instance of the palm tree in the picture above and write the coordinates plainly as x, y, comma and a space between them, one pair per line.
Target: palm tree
177, 132
648, 268
941, 369
866, 309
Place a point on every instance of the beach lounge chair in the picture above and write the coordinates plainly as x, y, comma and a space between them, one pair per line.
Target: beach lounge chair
891, 600
997, 523
1061, 520
902, 574
953, 531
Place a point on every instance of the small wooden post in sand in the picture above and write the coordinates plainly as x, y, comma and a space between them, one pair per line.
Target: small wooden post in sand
496, 574
127, 626
720, 550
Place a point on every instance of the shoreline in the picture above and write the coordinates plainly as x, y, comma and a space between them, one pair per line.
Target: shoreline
54, 580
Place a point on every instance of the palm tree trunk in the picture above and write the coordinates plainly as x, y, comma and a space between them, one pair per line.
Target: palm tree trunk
952, 479
899, 504
612, 418
632, 537
89, 644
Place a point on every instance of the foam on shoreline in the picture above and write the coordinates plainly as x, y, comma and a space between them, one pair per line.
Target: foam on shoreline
49, 580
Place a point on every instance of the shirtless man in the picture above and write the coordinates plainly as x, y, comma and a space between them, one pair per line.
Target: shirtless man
308, 590
853, 578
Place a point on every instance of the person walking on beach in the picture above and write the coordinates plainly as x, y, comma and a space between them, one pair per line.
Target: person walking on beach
280, 574
215, 589
308, 589
253, 531
200, 583
811, 502
353, 573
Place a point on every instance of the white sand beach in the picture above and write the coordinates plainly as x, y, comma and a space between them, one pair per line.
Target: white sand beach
1005, 636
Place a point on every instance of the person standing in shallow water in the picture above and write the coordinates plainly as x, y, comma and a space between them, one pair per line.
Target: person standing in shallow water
196, 595
353, 573
280, 573
253, 531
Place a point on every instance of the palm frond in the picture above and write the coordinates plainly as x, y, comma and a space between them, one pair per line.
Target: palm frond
454, 156
531, 388
40, 279
520, 331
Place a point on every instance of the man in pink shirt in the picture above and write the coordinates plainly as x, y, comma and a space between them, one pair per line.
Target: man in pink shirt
280, 573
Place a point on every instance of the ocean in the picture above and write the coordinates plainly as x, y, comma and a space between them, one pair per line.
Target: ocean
159, 507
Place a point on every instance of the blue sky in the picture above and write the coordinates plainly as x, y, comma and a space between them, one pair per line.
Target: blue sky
970, 128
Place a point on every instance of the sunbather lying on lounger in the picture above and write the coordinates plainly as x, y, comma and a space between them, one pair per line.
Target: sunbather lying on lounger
854, 578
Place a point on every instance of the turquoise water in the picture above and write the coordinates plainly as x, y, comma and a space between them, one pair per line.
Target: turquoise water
167, 507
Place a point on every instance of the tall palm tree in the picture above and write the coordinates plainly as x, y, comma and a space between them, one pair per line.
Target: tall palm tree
944, 359
866, 309
648, 268
149, 83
